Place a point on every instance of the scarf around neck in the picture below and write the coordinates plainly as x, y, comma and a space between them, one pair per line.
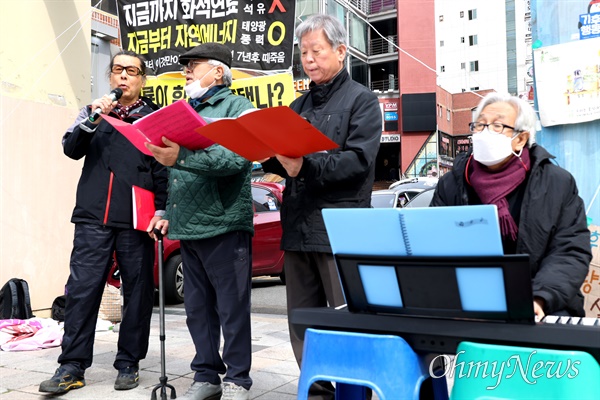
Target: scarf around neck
492, 187
209, 93
123, 111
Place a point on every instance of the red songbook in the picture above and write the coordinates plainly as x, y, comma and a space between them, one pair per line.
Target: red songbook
266, 132
143, 207
177, 122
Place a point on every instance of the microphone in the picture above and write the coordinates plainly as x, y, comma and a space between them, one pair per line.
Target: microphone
115, 95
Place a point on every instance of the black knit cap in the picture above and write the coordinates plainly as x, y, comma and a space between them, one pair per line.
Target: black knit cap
211, 51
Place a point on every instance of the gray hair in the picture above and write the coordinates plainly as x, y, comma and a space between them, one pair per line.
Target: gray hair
525, 113
227, 76
334, 31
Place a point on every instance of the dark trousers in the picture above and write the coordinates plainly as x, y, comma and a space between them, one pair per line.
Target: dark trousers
93, 248
312, 280
218, 279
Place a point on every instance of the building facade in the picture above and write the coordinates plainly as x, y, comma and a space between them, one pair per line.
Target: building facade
484, 45
480, 47
45, 80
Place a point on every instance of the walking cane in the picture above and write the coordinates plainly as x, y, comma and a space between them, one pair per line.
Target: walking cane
163, 385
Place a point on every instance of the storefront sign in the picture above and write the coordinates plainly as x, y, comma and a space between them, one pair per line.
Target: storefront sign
395, 138
390, 106
390, 116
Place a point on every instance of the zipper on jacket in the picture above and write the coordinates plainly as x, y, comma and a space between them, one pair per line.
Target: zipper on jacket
110, 184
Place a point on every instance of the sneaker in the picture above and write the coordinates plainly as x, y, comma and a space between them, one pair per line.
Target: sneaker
231, 391
62, 382
128, 378
202, 391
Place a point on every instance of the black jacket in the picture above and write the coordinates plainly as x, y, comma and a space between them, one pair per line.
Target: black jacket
349, 114
552, 228
112, 165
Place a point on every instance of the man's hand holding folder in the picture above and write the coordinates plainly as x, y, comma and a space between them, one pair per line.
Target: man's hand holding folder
166, 155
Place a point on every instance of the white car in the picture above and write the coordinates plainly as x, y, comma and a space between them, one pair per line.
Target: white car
422, 199
401, 192
421, 182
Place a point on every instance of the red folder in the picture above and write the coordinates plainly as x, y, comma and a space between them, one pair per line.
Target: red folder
177, 122
266, 132
143, 207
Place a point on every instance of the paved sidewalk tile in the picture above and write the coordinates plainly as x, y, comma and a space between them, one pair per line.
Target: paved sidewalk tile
274, 369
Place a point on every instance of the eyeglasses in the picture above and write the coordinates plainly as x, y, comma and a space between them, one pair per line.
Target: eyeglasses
131, 70
190, 66
496, 127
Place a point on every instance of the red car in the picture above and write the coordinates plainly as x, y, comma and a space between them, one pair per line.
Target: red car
267, 258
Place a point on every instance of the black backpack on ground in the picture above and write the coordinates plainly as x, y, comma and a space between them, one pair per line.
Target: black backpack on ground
14, 300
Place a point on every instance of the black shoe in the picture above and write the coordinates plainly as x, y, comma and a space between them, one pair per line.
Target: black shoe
128, 378
62, 382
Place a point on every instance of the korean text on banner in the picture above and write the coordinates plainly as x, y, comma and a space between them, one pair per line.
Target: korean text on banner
260, 33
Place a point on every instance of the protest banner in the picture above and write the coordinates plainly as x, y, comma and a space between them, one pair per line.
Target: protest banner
263, 91
260, 33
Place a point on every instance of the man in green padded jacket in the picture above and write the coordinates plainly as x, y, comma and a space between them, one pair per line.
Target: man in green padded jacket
209, 209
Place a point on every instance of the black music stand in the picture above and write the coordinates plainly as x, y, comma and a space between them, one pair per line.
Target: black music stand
484, 288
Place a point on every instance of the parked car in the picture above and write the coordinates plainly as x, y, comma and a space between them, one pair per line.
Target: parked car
402, 192
418, 182
422, 199
267, 258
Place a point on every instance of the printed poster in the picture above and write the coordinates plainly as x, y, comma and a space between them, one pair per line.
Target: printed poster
568, 82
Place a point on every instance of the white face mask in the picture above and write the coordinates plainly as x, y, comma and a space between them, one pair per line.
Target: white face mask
491, 148
194, 90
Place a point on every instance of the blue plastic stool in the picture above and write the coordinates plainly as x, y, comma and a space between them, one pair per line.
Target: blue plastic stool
523, 373
384, 363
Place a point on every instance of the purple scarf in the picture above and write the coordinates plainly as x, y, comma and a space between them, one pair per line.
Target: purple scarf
492, 187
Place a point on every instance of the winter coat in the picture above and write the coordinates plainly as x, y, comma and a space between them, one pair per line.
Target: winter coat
111, 166
552, 228
349, 114
209, 190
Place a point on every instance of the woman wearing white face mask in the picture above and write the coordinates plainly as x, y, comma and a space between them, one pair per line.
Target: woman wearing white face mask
539, 209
